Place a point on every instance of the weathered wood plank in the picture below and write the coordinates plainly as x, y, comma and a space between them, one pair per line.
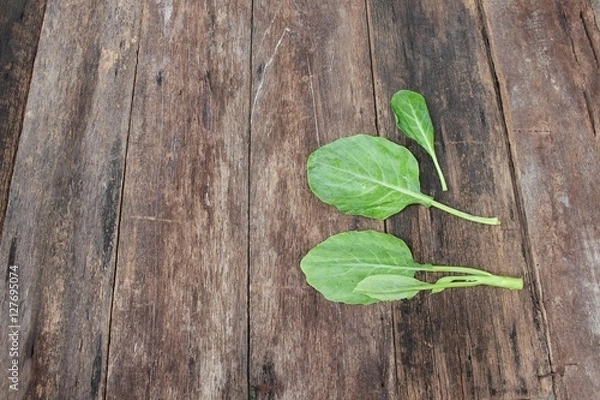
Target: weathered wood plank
311, 85
479, 343
20, 26
548, 58
62, 217
179, 325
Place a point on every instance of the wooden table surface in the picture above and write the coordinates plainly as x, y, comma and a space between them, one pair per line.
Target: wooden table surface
154, 205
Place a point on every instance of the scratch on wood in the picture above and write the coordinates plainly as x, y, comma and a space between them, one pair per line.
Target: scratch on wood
206, 198
540, 132
166, 13
264, 72
589, 108
268, 30
152, 219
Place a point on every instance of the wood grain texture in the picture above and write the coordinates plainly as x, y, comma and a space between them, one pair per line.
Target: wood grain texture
311, 85
472, 344
61, 224
547, 56
158, 206
180, 309
20, 26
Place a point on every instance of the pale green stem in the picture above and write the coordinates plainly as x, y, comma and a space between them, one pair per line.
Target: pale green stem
506, 282
460, 270
449, 282
440, 174
464, 215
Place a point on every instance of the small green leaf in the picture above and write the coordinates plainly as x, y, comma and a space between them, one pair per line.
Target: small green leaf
391, 287
371, 176
412, 118
335, 266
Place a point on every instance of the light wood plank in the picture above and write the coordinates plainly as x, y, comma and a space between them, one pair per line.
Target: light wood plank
547, 56
179, 327
480, 343
311, 85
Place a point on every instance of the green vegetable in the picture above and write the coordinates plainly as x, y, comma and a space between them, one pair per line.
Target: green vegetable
412, 118
373, 177
364, 267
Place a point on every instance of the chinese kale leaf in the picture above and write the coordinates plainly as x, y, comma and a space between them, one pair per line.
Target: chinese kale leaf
412, 118
372, 177
364, 267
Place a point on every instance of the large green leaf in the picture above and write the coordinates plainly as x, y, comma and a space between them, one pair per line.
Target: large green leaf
412, 118
364, 267
373, 177
336, 266
366, 175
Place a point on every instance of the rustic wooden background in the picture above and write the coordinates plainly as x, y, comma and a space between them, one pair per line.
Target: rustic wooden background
154, 198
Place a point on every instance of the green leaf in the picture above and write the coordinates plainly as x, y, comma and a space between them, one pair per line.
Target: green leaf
365, 175
364, 267
391, 287
372, 177
412, 118
336, 266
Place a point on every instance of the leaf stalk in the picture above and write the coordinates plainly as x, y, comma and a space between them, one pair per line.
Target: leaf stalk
505, 282
464, 215
440, 174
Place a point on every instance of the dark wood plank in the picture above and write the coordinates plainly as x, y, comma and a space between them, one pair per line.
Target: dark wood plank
179, 326
311, 85
548, 58
20, 26
62, 216
481, 343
